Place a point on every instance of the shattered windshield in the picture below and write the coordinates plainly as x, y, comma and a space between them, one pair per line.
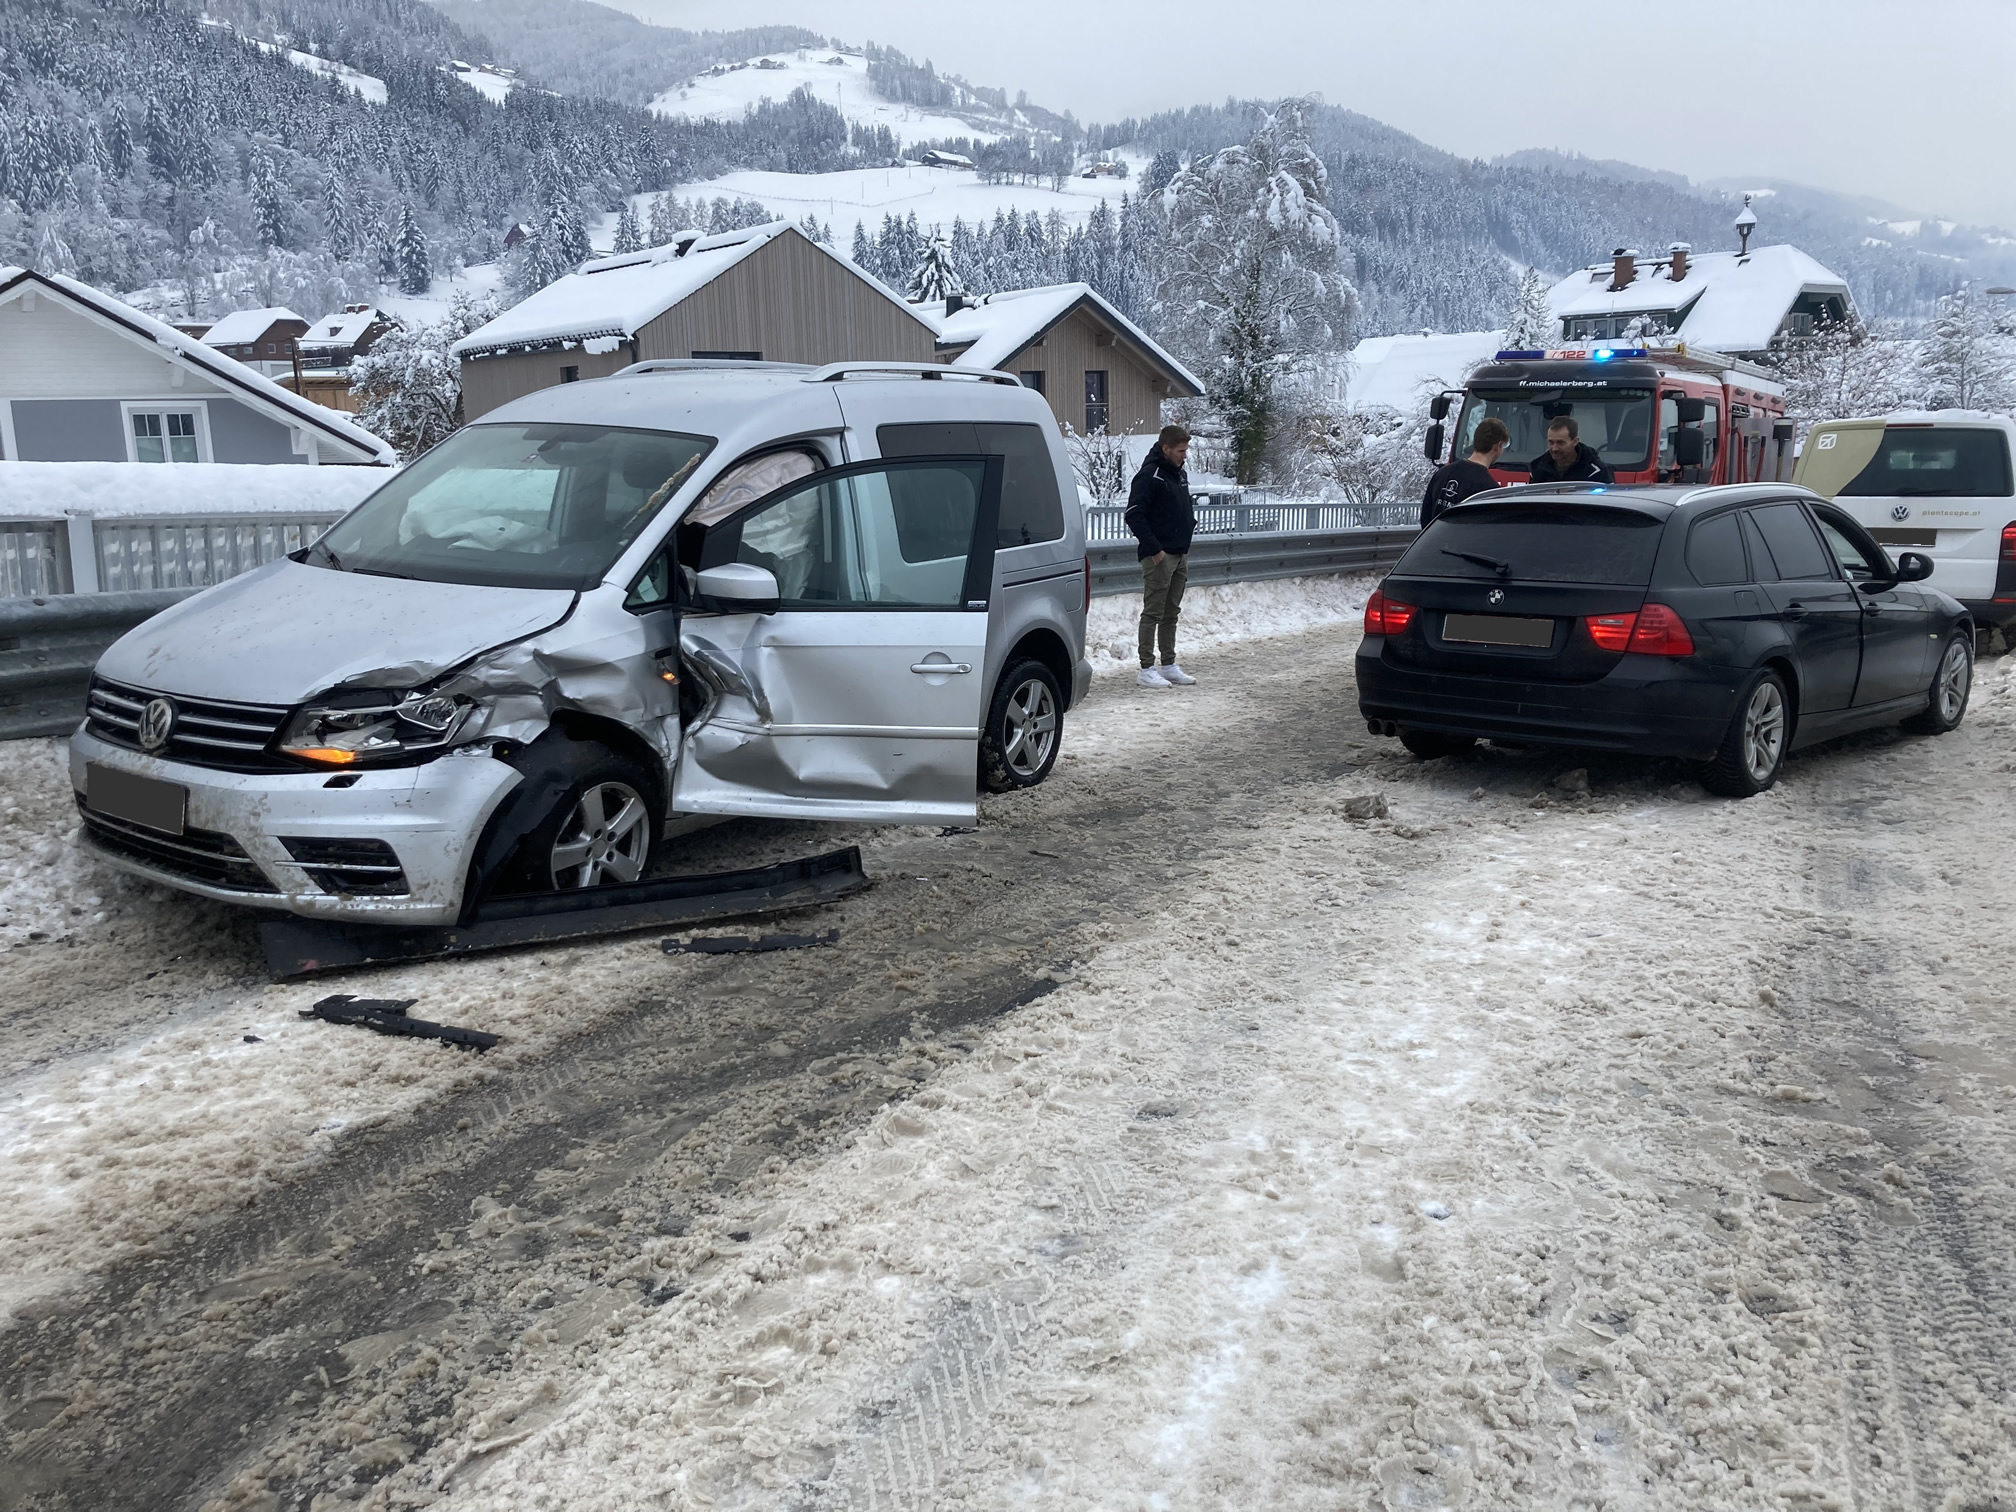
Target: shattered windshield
515, 506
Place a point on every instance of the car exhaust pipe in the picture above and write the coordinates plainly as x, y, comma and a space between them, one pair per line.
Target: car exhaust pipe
1382, 727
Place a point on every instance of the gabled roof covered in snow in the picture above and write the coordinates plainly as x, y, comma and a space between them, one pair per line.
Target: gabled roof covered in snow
262, 393
986, 334
345, 327
1398, 372
1732, 302
612, 298
243, 326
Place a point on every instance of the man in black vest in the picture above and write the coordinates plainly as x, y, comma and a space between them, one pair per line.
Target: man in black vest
1160, 514
1453, 482
1567, 458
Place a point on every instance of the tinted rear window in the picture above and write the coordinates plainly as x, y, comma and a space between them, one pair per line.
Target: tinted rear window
1031, 509
1546, 543
1935, 463
1715, 551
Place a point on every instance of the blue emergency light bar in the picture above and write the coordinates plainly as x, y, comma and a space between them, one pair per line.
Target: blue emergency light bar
1575, 354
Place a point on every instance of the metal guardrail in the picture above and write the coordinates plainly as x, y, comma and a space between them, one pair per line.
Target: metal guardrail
1255, 511
50, 643
129, 554
48, 647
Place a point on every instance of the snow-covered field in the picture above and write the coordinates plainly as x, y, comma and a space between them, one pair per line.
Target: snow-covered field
839, 79
1253, 1116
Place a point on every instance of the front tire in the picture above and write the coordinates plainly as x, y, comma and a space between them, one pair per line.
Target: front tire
1025, 727
1753, 750
601, 832
1951, 685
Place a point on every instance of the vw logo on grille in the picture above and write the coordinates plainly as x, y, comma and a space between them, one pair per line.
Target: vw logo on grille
157, 723
1900, 512
1495, 596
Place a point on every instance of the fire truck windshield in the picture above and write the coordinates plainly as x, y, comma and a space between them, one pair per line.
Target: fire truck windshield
1616, 422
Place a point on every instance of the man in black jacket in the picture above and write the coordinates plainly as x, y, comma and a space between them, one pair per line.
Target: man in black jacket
1160, 514
1566, 459
1453, 482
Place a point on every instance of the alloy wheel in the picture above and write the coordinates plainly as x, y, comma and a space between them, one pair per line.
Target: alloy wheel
1956, 673
1764, 731
606, 838
1029, 728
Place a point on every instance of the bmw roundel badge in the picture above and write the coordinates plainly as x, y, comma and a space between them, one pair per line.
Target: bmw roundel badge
1495, 596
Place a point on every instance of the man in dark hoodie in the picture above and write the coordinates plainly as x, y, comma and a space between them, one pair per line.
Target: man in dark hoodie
1566, 459
1160, 514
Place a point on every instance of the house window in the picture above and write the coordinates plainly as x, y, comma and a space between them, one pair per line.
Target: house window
165, 436
271, 349
1032, 380
570, 375
1095, 401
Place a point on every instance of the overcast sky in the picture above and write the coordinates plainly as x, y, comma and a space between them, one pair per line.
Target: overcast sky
1910, 100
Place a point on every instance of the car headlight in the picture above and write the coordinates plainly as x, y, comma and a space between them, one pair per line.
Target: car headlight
386, 728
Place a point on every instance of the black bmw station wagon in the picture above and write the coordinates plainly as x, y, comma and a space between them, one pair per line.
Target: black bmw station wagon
1725, 626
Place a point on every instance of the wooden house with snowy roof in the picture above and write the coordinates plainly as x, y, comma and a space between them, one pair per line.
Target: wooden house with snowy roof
765, 294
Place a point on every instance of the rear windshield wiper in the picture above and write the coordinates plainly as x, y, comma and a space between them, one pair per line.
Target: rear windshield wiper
1503, 569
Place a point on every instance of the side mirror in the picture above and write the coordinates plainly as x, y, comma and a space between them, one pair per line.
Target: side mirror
1438, 407
1690, 410
1914, 567
1690, 448
739, 588
1431, 444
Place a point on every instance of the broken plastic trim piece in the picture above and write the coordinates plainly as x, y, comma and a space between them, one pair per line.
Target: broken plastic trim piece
388, 1016
747, 945
306, 947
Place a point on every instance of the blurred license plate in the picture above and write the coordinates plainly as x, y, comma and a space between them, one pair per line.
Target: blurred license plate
1497, 630
158, 805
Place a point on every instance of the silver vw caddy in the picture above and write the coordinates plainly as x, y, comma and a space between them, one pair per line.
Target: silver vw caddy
686, 589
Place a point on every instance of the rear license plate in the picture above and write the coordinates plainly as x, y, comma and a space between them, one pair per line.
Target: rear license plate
162, 806
1497, 630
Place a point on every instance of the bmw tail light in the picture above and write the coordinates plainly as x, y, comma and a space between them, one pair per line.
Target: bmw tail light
1384, 616
1654, 630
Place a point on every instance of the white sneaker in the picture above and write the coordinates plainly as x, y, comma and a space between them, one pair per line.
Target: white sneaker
1148, 677
1175, 674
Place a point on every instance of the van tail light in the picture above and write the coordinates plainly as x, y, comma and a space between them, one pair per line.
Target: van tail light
2009, 542
1654, 630
1384, 616
1088, 582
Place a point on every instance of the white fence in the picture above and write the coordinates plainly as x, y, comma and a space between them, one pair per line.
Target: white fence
125, 554
1255, 511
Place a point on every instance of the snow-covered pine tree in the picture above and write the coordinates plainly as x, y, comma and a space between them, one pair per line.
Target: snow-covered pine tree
1161, 171
1840, 370
409, 385
269, 202
1531, 325
936, 277
1966, 363
96, 153
815, 232
52, 252
1252, 285
665, 216
119, 140
863, 249
629, 235
339, 228
409, 249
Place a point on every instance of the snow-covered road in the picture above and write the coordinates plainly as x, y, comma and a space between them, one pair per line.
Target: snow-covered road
1253, 1116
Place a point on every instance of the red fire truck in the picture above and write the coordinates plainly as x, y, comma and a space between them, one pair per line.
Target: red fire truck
1653, 414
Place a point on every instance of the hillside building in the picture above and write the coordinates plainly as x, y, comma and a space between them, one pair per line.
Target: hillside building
263, 339
1734, 302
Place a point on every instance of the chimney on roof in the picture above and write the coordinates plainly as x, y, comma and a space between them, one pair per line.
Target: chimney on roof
1623, 268
1679, 251
1745, 224
954, 303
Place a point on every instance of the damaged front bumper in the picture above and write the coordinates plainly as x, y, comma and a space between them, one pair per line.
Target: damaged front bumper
391, 845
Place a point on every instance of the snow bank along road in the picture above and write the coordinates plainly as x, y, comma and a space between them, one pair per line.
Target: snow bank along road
1251, 1117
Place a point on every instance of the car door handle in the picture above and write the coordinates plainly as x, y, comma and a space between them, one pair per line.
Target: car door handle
941, 667
1795, 610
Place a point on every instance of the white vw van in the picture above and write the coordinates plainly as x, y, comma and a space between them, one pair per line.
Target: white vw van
1939, 482
853, 593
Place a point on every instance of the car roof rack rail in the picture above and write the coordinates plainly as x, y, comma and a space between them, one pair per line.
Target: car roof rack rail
833, 372
703, 365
